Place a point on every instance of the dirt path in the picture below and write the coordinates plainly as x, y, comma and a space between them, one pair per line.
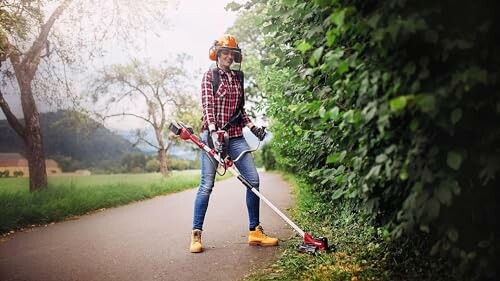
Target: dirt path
149, 240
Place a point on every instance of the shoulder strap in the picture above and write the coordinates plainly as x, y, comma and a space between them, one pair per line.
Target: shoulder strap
241, 78
215, 80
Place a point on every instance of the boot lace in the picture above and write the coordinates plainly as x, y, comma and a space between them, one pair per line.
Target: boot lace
261, 230
197, 236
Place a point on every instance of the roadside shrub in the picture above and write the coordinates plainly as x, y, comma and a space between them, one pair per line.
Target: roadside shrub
4, 174
153, 165
268, 159
396, 105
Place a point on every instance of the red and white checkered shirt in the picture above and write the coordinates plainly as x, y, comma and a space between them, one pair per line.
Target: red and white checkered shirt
218, 108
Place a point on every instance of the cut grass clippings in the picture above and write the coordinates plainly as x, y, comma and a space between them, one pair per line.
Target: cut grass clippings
69, 196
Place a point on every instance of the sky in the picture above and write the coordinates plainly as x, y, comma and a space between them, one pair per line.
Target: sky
194, 25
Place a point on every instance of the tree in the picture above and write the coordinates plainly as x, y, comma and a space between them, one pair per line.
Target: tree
24, 42
161, 90
25, 67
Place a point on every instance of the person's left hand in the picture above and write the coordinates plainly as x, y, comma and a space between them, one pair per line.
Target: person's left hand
259, 132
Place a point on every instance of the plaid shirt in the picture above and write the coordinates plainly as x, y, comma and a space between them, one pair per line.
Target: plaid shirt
218, 108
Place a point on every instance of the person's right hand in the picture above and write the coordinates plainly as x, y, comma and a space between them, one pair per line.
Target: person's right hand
215, 139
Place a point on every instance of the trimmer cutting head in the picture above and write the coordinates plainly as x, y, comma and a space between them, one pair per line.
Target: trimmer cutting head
312, 245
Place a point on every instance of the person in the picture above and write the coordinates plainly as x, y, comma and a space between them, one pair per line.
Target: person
219, 107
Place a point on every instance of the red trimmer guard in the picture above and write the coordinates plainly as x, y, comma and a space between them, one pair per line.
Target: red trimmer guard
321, 242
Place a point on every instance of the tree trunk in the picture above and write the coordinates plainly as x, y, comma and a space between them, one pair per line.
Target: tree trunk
25, 69
162, 157
33, 140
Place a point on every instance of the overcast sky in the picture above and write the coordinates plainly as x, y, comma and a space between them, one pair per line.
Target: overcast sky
194, 26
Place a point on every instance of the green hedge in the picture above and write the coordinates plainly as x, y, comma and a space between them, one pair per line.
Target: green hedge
394, 105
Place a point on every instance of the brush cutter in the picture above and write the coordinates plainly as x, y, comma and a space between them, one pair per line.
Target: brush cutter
310, 244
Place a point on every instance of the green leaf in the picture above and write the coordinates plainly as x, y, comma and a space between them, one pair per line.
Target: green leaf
426, 103
484, 244
338, 17
374, 172
456, 115
337, 194
398, 103
233, 6
373, 21
435, 248
452, 235
303, 47
381, 158
323, 3
403, 174
369, 111
454, 160
348, 116
316, 56
322, 111
331, 36
425, 228
290, 3
343, 67
336, 157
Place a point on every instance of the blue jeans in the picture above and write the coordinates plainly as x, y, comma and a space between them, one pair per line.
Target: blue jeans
245, 166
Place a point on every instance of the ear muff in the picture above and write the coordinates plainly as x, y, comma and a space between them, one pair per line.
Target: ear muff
212, 53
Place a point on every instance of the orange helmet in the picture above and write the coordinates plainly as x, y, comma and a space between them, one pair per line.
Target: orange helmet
226, 42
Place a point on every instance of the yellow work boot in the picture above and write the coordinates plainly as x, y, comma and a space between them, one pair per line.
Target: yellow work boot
259, 238
196, 246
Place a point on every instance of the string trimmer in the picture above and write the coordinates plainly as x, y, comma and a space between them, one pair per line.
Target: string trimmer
310, 244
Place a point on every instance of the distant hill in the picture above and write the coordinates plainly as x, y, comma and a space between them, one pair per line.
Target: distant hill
71, 135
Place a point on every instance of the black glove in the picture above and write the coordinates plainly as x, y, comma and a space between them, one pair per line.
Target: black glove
215, 139
259, 132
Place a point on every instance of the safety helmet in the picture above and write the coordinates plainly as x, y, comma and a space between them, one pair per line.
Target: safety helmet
226, 42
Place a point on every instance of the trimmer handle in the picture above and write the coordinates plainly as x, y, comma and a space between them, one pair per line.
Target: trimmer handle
223, 138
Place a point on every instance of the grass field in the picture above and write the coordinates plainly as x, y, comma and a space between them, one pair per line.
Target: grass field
69, 196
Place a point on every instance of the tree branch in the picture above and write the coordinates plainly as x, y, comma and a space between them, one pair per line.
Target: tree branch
32, 58
129, 114
147, 142
128, 83
11, 118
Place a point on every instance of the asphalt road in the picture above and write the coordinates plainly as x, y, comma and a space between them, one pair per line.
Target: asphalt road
149, 240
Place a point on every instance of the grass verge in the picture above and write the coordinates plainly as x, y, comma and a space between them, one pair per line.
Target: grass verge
69, 196
357, 246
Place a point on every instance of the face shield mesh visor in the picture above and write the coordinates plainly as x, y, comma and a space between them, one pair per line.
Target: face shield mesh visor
234, 52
